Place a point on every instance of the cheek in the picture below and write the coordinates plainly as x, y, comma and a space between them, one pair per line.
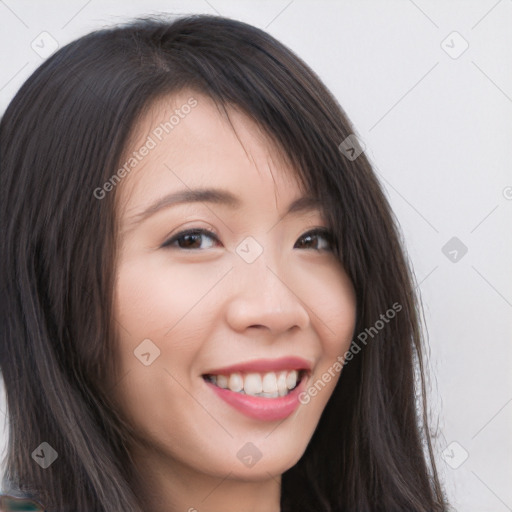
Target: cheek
145, 306
153, 299
332, 306
335, 323
157, 312
155, 334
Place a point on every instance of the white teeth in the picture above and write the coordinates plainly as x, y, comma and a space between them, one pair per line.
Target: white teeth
291, 379
222, 381
282, 388
236, 383
252, 384
270, 384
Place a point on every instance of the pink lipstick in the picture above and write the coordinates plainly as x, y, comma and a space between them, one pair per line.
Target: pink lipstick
264, 389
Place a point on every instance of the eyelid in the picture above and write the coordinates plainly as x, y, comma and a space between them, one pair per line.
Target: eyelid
320, 231
190, 231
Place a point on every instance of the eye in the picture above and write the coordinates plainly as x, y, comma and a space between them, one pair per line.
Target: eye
316, 234
190, 239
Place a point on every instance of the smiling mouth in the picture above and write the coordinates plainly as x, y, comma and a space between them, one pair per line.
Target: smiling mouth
265, 385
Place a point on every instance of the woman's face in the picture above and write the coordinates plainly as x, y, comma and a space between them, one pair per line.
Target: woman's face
251, 301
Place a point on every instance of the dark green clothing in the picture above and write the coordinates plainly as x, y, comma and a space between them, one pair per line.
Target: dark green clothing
11, 504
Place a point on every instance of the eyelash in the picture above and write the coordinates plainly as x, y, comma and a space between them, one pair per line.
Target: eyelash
325, 233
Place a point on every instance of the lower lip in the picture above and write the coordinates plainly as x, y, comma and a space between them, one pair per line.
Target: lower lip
261, 408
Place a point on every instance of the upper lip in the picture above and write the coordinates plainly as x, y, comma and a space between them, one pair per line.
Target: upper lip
264, 365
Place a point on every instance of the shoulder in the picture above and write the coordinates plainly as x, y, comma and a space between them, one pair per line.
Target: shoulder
10, 503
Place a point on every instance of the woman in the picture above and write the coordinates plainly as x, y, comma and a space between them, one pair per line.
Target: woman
271, 368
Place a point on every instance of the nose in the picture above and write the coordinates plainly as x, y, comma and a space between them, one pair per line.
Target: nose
264, 298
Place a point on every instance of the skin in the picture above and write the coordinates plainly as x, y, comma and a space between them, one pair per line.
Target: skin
205, 307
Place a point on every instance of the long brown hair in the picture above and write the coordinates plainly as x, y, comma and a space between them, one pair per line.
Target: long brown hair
61, 138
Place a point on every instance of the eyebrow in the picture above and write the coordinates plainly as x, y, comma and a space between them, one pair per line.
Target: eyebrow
217, 196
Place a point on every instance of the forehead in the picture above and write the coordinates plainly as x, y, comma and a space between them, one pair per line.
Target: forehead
186, 141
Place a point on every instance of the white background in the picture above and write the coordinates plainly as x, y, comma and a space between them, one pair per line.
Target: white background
437, 127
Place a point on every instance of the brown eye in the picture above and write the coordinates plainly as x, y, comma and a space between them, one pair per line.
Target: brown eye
190, 239
313, 240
